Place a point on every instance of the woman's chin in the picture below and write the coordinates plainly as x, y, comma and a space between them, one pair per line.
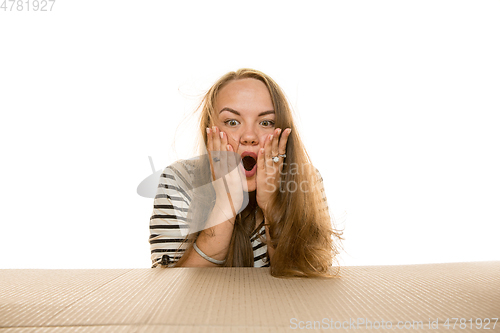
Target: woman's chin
252, 184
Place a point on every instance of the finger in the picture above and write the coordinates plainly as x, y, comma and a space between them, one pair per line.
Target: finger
275, 151
223, 141
223, 153
269, 154
276, 139
209, 150
282, 147
209, 140
284, 140
231, 160
277, 167
216, 138
215, 152
261, 166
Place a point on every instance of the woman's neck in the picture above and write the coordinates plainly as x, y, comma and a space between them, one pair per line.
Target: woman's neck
252, 211
252, 202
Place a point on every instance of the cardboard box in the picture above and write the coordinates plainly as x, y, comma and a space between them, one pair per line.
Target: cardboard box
416, 298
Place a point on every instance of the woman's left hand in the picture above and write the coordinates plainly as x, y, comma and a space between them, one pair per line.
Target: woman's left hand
268, 171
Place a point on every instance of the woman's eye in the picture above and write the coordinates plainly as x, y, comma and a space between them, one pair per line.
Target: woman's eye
231, 122
267, 123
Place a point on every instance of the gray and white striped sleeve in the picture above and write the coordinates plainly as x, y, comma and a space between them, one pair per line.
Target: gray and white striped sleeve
168, 225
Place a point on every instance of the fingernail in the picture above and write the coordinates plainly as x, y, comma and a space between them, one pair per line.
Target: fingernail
214, 128
208, 130
271, 137
221, 135
262, 150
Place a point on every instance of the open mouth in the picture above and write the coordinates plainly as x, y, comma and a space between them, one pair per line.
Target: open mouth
248, 162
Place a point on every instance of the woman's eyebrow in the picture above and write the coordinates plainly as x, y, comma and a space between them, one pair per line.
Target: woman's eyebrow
266, 112
239, 114
230, 110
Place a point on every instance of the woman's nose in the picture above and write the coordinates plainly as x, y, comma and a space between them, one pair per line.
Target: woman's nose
249, 137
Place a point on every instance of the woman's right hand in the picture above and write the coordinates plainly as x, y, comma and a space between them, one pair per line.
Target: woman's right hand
229, 180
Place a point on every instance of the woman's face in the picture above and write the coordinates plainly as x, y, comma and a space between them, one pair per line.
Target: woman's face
244, 111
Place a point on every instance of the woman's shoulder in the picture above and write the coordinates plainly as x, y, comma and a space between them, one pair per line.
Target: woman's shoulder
188, 174
183, 166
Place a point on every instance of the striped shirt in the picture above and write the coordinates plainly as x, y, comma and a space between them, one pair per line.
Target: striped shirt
169, 224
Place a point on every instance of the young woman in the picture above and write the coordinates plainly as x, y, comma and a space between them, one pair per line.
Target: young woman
253, 198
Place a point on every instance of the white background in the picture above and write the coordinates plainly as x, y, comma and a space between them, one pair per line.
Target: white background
397, 102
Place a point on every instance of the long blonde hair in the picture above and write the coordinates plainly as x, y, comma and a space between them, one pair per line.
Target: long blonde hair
302, 231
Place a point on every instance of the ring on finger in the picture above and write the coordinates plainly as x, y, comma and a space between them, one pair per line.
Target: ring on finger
276, 159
